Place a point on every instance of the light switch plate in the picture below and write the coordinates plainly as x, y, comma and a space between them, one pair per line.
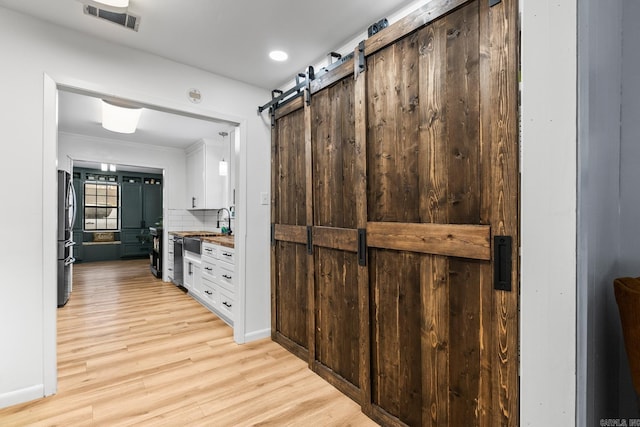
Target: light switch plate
264, 198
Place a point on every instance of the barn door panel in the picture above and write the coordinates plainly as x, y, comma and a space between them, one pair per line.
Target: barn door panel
337, 319
289, 258
389, 187
430, 198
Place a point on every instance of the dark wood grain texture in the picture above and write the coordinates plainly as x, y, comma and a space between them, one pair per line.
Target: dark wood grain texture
327, 79
289, 107
290, 263
337, 316
291, 233
360, 188
459, 240
345, 239
501, 134
309, 191
430, 12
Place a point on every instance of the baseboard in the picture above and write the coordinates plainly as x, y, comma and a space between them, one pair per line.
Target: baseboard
20, 396
257, 335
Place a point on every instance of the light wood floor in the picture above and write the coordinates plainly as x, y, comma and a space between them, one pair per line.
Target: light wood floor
133, 350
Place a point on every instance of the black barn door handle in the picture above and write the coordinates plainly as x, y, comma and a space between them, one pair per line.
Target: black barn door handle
502, 263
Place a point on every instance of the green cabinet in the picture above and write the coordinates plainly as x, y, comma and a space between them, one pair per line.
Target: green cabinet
141, 209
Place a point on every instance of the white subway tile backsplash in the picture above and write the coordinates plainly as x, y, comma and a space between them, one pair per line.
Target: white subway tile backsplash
185, 220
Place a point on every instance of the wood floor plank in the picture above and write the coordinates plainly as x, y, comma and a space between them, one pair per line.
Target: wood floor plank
133, 350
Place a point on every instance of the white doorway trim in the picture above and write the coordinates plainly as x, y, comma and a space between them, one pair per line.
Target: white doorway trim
51, 86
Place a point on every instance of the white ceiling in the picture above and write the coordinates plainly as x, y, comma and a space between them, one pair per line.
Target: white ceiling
227, 37
81, 115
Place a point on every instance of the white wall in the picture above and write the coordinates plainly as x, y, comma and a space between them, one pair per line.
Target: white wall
171, 160
548, 213
32, 50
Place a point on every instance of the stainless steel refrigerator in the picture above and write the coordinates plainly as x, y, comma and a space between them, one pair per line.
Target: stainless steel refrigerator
66, 218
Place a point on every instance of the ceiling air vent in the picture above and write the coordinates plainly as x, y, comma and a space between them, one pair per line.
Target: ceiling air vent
123, 19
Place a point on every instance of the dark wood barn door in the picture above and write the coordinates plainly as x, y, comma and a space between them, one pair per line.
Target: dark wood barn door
290, 262
408, 156
335, 288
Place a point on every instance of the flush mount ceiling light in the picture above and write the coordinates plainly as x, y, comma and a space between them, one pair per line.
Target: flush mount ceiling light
120, 118
278, 55
112, 4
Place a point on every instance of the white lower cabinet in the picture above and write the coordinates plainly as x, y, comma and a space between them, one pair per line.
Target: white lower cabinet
210, 294
192, 275
217, 290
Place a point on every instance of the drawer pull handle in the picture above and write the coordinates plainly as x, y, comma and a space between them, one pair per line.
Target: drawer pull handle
226, 304
208, 268
208, 292
226, 276
226, 254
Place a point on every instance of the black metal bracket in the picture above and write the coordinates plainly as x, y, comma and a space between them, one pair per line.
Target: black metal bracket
361, 63
310, 240
273, 234
311, 75
362, 246
502, 263
333, 65
332, 56
494, 2
283, 98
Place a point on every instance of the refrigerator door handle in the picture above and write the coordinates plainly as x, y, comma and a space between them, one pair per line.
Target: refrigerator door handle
74, 202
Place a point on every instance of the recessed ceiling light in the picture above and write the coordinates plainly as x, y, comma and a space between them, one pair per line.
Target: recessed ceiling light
278, 55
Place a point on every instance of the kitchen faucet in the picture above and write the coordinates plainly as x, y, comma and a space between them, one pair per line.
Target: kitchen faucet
228, 218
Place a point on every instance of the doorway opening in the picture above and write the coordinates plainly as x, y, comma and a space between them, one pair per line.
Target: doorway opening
154, 152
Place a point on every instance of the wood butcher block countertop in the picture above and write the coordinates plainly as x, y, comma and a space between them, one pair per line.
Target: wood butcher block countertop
208, 236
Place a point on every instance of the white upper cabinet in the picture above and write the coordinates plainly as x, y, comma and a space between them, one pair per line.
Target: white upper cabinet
206, 187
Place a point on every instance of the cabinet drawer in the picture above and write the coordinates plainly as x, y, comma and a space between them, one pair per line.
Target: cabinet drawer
209, 293
225, 277
226, 304
226, 254
208, 270
209, 250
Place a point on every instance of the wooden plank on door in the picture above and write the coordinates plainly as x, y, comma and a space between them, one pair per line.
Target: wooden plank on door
289, 261
458, 240
463, 146
360, 190
430, 12
499, 64
393, 129
337, 317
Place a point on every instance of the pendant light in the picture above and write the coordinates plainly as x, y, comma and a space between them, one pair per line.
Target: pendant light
223, 167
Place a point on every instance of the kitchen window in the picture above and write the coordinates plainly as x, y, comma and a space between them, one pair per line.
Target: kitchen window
101, 206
